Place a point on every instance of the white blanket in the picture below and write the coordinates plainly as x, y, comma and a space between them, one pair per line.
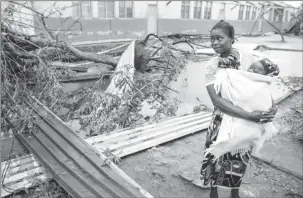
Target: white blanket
250, 92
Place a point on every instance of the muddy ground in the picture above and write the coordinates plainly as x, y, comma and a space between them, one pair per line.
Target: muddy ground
157, 169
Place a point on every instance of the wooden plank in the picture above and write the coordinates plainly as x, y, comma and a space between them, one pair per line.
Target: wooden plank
148, 136
158, 141
158, 129
103, 137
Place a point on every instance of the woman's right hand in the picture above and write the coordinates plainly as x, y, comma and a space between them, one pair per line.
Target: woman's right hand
261, 116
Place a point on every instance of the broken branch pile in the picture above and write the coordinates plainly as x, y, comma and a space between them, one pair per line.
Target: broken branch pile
28, 70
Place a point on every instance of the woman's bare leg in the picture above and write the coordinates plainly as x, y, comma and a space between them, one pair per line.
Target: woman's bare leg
213, 192
234, 193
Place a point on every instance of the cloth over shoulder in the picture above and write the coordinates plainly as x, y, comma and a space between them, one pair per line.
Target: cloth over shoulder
250, 92
212, 66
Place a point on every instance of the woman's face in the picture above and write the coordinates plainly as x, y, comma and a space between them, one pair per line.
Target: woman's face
220, 41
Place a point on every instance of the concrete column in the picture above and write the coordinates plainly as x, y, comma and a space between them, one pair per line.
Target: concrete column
95, 9
116, 9
260, 27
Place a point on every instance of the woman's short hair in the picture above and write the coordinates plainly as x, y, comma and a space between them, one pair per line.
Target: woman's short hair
225, 26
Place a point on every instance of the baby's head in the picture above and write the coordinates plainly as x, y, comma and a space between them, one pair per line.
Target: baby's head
257, 68
264, 67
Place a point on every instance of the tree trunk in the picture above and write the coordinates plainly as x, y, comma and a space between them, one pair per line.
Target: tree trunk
29, 43
272, 25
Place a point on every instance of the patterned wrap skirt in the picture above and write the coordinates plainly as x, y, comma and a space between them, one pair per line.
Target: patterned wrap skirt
228, 170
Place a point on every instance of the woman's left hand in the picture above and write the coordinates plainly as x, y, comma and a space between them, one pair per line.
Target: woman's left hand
273, 110
271, 113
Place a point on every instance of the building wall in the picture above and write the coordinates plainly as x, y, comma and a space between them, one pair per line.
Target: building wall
169, 11
47, 6
169, 20
172, 26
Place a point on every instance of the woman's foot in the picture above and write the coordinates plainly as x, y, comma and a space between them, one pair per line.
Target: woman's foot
213, 192
234, 193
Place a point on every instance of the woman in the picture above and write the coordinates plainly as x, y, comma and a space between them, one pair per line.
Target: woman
229, 169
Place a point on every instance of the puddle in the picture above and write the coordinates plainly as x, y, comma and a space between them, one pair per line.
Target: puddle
190, 86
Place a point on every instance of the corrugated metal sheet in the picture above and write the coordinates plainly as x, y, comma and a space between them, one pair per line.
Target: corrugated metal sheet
22, 172
71, 161
129, 141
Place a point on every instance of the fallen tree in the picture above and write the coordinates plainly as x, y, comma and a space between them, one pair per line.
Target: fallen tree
27, 70
297, 21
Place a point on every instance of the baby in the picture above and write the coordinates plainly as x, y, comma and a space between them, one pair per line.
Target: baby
264, 67
253, 93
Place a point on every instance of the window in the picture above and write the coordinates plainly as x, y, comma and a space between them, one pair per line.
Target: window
76, 9
185, 5
106, 9
286, 15
86, 9
278, 14
207, 10
247, 16
253, 15
82, 9
198, 10
222, 11
125, 9
241, 9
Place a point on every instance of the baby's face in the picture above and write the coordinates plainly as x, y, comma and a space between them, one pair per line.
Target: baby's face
258, 68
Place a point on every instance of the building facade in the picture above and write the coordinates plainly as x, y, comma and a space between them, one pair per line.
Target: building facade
135, 19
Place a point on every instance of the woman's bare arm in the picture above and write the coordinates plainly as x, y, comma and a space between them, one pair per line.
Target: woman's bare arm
228, 108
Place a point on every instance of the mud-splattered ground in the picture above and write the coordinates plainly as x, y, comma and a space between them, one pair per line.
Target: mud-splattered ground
157, 169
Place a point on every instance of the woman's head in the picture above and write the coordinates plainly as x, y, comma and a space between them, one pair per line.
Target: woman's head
222, 37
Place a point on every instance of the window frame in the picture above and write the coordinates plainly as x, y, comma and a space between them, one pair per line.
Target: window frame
286, 15
247, 12
254, 13
185, 6
76, 9
125, 10
241, 12
208, 10
106, 10
196, 6
90, 8
278, 16
222, 9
